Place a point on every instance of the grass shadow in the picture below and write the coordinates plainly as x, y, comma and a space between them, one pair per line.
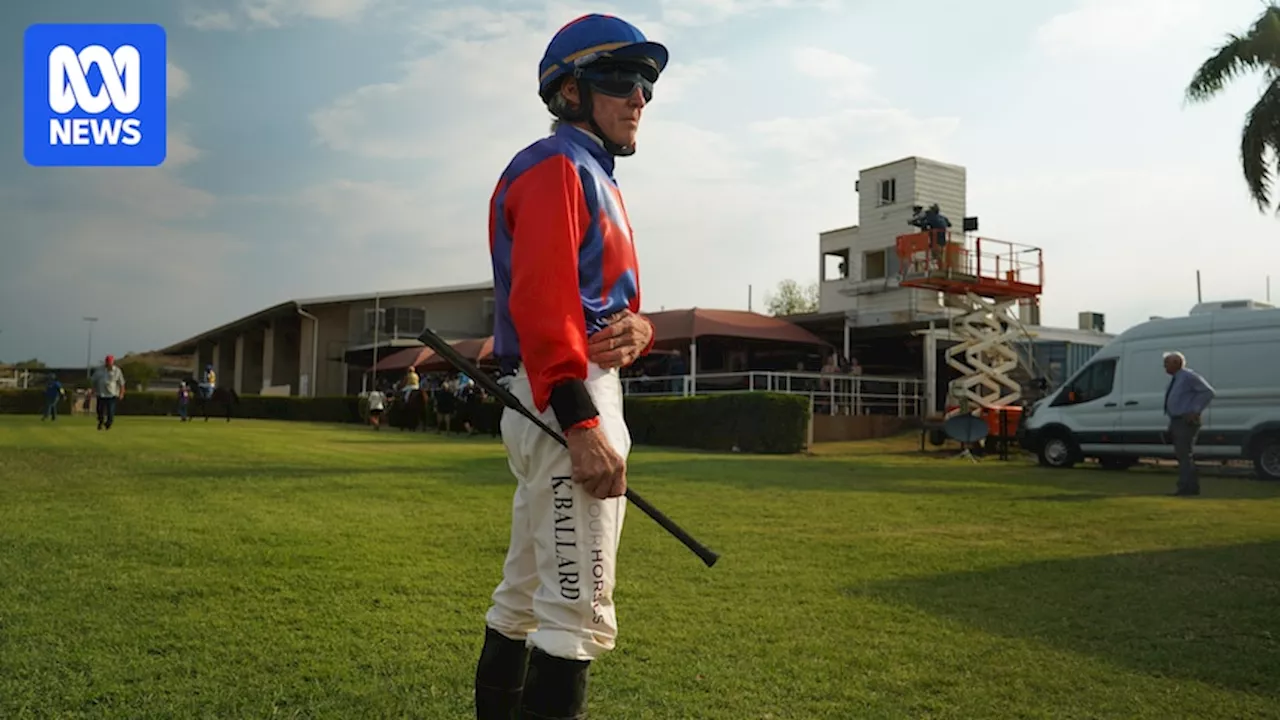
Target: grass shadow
888, 475
1210, 615
1076, 497
274, 471
425, 438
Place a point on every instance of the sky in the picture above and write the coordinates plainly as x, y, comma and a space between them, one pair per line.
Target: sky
339, 146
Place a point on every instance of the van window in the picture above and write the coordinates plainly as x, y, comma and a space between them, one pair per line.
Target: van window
1093, 383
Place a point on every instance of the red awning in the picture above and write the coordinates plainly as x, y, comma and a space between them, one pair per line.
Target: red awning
405, 359
477, 350
680, 327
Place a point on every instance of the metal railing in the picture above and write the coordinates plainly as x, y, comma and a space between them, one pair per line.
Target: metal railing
831, 394
989, 259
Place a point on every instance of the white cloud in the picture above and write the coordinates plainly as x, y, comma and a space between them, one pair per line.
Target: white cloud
473, 22
180, 151
277, 13
105, 232
178, 81
891, 132
680, 77
745, 199
843, 77
210, 20
691, 13
1119, 27
1101, 252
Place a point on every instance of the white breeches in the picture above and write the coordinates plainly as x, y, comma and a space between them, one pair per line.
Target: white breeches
559, 574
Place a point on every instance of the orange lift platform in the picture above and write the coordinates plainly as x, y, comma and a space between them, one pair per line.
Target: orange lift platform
986, 278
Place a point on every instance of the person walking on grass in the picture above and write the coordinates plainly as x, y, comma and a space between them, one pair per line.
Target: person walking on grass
567, 302
53, 394
377, 403
108, 387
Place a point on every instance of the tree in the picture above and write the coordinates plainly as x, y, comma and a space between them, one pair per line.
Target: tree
32, 364
137, 372
791, 299
1258, 50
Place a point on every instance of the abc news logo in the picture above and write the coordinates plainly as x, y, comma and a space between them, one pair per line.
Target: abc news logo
94, 95
121, 90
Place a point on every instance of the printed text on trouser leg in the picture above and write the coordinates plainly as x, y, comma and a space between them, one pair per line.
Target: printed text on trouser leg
566, 544
566, 538
595, 539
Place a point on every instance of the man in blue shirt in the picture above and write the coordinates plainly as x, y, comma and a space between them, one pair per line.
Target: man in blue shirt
53, 392
1185, 400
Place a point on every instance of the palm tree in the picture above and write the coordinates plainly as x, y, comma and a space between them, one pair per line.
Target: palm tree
1256, 50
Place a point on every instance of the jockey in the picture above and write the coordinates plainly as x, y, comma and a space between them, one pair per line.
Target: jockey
411, 383
209, 382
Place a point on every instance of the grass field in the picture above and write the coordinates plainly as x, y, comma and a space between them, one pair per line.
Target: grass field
264, 569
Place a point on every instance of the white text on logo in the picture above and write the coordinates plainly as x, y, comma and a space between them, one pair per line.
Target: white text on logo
69, 88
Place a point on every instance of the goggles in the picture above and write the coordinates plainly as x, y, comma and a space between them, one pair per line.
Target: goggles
620, 80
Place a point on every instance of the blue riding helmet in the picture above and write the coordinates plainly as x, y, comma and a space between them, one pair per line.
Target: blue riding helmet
608, 56
590, 39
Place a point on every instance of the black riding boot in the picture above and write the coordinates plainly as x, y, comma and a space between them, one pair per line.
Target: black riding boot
556, 688
500, 677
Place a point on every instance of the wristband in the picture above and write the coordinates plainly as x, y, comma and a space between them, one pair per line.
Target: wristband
572, 404
584, 425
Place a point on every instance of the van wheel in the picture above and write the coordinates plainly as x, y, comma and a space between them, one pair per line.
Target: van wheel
1058, 451
1266, 457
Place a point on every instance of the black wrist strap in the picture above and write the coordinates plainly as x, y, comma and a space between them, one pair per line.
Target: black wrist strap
572, 404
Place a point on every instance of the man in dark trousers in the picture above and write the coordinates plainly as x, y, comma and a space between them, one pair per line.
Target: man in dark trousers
567, 303
108, 387
53, 393
1186, 398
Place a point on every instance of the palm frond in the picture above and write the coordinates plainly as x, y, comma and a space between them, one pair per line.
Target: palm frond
1265, 34
1232, 59
1260, 145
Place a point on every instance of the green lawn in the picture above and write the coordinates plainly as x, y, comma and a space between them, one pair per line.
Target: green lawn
263, 569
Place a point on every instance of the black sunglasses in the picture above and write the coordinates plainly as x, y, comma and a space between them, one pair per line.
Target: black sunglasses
620, 80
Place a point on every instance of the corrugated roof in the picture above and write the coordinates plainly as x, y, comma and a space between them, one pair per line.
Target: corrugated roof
357, 297
189, 344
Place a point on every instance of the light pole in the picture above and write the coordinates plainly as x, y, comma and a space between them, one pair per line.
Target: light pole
88, 353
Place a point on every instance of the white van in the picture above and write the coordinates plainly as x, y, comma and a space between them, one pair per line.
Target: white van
1112, 409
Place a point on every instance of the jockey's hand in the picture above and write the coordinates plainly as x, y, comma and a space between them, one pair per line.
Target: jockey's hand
621, 341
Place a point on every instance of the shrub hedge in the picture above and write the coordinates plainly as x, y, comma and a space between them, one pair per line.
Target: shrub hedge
751, 422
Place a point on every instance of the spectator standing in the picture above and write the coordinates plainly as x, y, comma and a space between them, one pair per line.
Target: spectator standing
108, 387
1185, 399
53, 392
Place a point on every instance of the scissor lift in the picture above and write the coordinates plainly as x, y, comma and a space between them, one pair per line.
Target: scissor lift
985, 278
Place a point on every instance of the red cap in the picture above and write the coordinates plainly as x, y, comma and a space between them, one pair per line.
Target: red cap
111, 359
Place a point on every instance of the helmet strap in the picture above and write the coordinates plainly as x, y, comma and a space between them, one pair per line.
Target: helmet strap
584, 113
613, 148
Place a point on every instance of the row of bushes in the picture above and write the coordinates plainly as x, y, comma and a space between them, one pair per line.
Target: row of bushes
753, 422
